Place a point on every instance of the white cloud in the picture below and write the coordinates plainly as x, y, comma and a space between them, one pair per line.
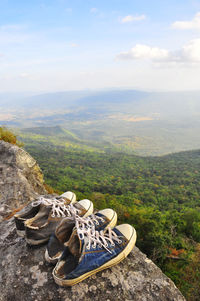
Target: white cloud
141, 51
193, 24
189, 53
131, 18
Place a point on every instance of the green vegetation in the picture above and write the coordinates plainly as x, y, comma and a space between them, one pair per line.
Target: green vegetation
8, 136
159, 196
145, 123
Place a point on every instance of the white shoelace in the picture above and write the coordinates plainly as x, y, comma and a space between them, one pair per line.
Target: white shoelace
85, 223
59, 208
98, 238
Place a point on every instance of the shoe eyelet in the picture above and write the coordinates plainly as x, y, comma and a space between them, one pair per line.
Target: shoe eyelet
81, 236
87, 248
112, 245
119, 241
93, 247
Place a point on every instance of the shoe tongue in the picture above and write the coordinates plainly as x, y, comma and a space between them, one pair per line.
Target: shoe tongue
64, 229
75, 245
44, 210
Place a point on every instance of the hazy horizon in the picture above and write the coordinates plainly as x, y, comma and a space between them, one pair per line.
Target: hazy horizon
41, 92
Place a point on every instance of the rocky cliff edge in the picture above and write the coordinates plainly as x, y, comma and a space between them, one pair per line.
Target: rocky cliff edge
24, 274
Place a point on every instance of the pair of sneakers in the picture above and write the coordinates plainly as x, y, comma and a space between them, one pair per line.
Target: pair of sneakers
82, 243
83, 246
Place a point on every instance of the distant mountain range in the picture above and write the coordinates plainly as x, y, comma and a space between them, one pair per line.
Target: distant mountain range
147, 123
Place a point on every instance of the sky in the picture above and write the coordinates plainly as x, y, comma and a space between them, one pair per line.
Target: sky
58, 45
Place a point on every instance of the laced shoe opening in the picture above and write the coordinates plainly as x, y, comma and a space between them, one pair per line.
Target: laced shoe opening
26, 215
67, 266
40, 219
62, 234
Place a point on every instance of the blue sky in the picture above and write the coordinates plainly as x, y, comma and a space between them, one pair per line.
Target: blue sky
95, 44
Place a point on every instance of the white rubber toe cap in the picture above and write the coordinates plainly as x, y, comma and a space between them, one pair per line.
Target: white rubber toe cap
88, 206
127, 230
109, 213
70, 196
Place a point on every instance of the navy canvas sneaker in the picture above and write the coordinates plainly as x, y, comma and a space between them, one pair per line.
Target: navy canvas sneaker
99, 221
30, 210
39, 229
89, 252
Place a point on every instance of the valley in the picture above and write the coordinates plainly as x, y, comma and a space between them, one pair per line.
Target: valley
159, 195
144, 123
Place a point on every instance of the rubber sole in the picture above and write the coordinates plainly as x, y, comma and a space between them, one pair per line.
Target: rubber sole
36, 242
21, 233
112, 262
49, 259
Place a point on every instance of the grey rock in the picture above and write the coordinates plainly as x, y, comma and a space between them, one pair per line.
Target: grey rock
21, 179
24, 275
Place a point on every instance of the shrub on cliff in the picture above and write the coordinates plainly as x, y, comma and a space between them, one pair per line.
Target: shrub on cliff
7, 136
